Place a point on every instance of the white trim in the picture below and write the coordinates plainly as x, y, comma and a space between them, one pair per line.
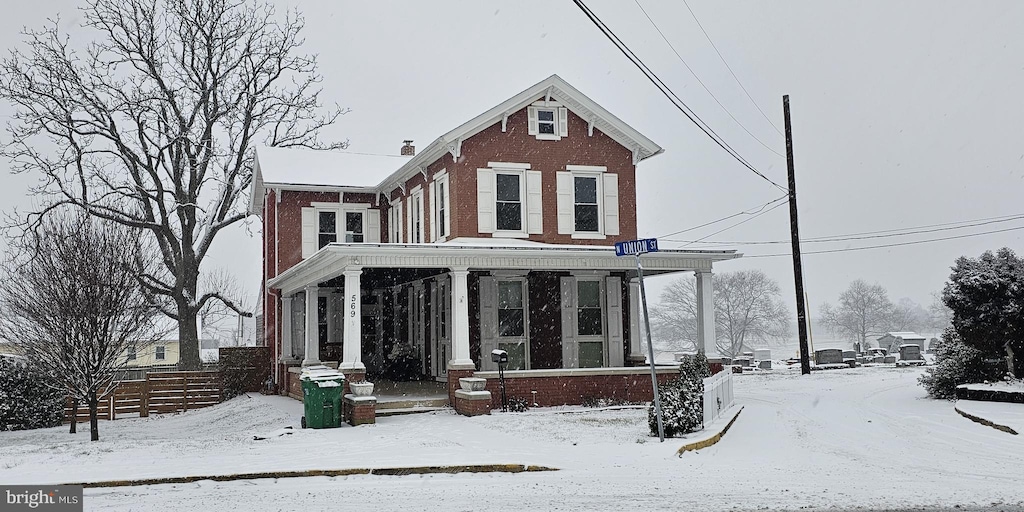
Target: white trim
508, 166
546, 105
589, 236
586, 168
319, 204
580, 372
523, 231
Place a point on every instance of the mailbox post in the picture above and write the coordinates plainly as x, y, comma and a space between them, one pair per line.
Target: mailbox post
636, 248
501, 358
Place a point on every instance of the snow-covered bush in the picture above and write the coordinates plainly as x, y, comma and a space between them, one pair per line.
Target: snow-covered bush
959, 363
682, 401
26, 401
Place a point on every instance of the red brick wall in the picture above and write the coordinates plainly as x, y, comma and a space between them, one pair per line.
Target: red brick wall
516, 145
573, 390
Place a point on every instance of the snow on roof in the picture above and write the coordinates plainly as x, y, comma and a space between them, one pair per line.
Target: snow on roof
905, 335
303, 166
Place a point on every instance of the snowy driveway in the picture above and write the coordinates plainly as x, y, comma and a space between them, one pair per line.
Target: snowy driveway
849, 438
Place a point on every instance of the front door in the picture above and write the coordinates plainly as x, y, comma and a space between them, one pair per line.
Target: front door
371, 333
441, 301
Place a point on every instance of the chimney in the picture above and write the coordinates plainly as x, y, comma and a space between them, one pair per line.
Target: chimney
408, 149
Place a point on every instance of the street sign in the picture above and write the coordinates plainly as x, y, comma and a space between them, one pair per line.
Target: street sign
634, 247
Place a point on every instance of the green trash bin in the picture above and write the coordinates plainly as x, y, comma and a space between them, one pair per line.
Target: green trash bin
321, 397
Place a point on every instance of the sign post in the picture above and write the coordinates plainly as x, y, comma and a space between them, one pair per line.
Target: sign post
636, 248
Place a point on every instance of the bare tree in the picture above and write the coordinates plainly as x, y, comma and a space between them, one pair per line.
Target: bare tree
939, 314
864, 310
674, 318
152, 125
72, 303
908, 315
748, 310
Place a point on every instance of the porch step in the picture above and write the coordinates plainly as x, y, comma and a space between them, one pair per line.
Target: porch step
386, 403
407, 410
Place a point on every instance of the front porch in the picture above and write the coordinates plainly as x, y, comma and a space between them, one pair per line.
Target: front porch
411, 312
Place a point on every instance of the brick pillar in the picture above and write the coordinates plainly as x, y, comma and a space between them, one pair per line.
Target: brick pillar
453, 382
360, 410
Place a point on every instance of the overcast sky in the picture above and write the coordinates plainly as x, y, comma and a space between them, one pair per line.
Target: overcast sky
904, 113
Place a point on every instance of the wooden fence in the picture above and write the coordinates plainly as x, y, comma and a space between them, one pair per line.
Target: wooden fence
158, 393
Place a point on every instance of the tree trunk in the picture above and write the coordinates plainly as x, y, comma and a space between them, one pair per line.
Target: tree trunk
74, 416
188, 341
94, 425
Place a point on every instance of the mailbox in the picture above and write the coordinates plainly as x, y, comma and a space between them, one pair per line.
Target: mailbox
499, 356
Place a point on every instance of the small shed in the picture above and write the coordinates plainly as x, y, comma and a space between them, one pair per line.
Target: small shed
762, 354
891, 341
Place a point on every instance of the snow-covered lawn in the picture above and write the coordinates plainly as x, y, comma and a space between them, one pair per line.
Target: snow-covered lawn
862, 437
1000, 413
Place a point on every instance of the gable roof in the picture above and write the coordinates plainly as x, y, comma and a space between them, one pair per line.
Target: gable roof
552, 86
907, 335
304, 169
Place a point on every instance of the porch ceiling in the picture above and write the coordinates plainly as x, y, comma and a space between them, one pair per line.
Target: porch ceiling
331, 260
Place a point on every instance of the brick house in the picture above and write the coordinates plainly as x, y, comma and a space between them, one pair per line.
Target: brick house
498, 235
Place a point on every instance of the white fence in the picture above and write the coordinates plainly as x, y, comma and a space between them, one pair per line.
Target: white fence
717, 395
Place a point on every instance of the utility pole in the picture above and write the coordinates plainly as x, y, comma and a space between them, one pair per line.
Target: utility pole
798, 273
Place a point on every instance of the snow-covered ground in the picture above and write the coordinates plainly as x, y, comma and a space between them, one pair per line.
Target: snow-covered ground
1016, 386
1000, 413
864, 437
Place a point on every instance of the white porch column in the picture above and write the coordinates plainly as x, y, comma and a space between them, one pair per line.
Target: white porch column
461, 359
312, 328
636, 339
706, 314
352, 349
287, 348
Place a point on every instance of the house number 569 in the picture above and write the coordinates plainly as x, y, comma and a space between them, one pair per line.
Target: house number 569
352, 307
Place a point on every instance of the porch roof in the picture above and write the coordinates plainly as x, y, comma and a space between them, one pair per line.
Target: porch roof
331, 260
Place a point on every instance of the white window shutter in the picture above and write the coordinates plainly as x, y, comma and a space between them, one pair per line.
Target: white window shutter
563, 181
570, 351
309, 232
613, 302
534, 208
531, 120
448, 209
485, 200
372, 234
563, 122
432, 236
488, 320
408, 218
611, 203
398, 222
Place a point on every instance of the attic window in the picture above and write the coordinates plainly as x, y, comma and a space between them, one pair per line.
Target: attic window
547, 120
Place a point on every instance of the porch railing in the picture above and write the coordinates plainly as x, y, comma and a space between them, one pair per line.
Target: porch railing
717, 395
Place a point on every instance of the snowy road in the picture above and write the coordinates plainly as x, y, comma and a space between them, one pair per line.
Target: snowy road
864, 438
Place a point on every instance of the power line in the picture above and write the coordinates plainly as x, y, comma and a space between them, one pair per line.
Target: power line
891, 233
744, 221
727, 66
701, 82
665, 90
897, 244
748, 211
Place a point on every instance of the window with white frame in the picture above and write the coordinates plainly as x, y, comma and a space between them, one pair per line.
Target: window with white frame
547, 120
588, 201
509, 202
327, 223
327, 227
586, 208
415, 215
161, 353
512, 336
589, 322
354, 227
440, 204
395, 220
509, 211
131, 353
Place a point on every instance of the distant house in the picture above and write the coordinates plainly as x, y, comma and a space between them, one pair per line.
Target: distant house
160, 353
891, 341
